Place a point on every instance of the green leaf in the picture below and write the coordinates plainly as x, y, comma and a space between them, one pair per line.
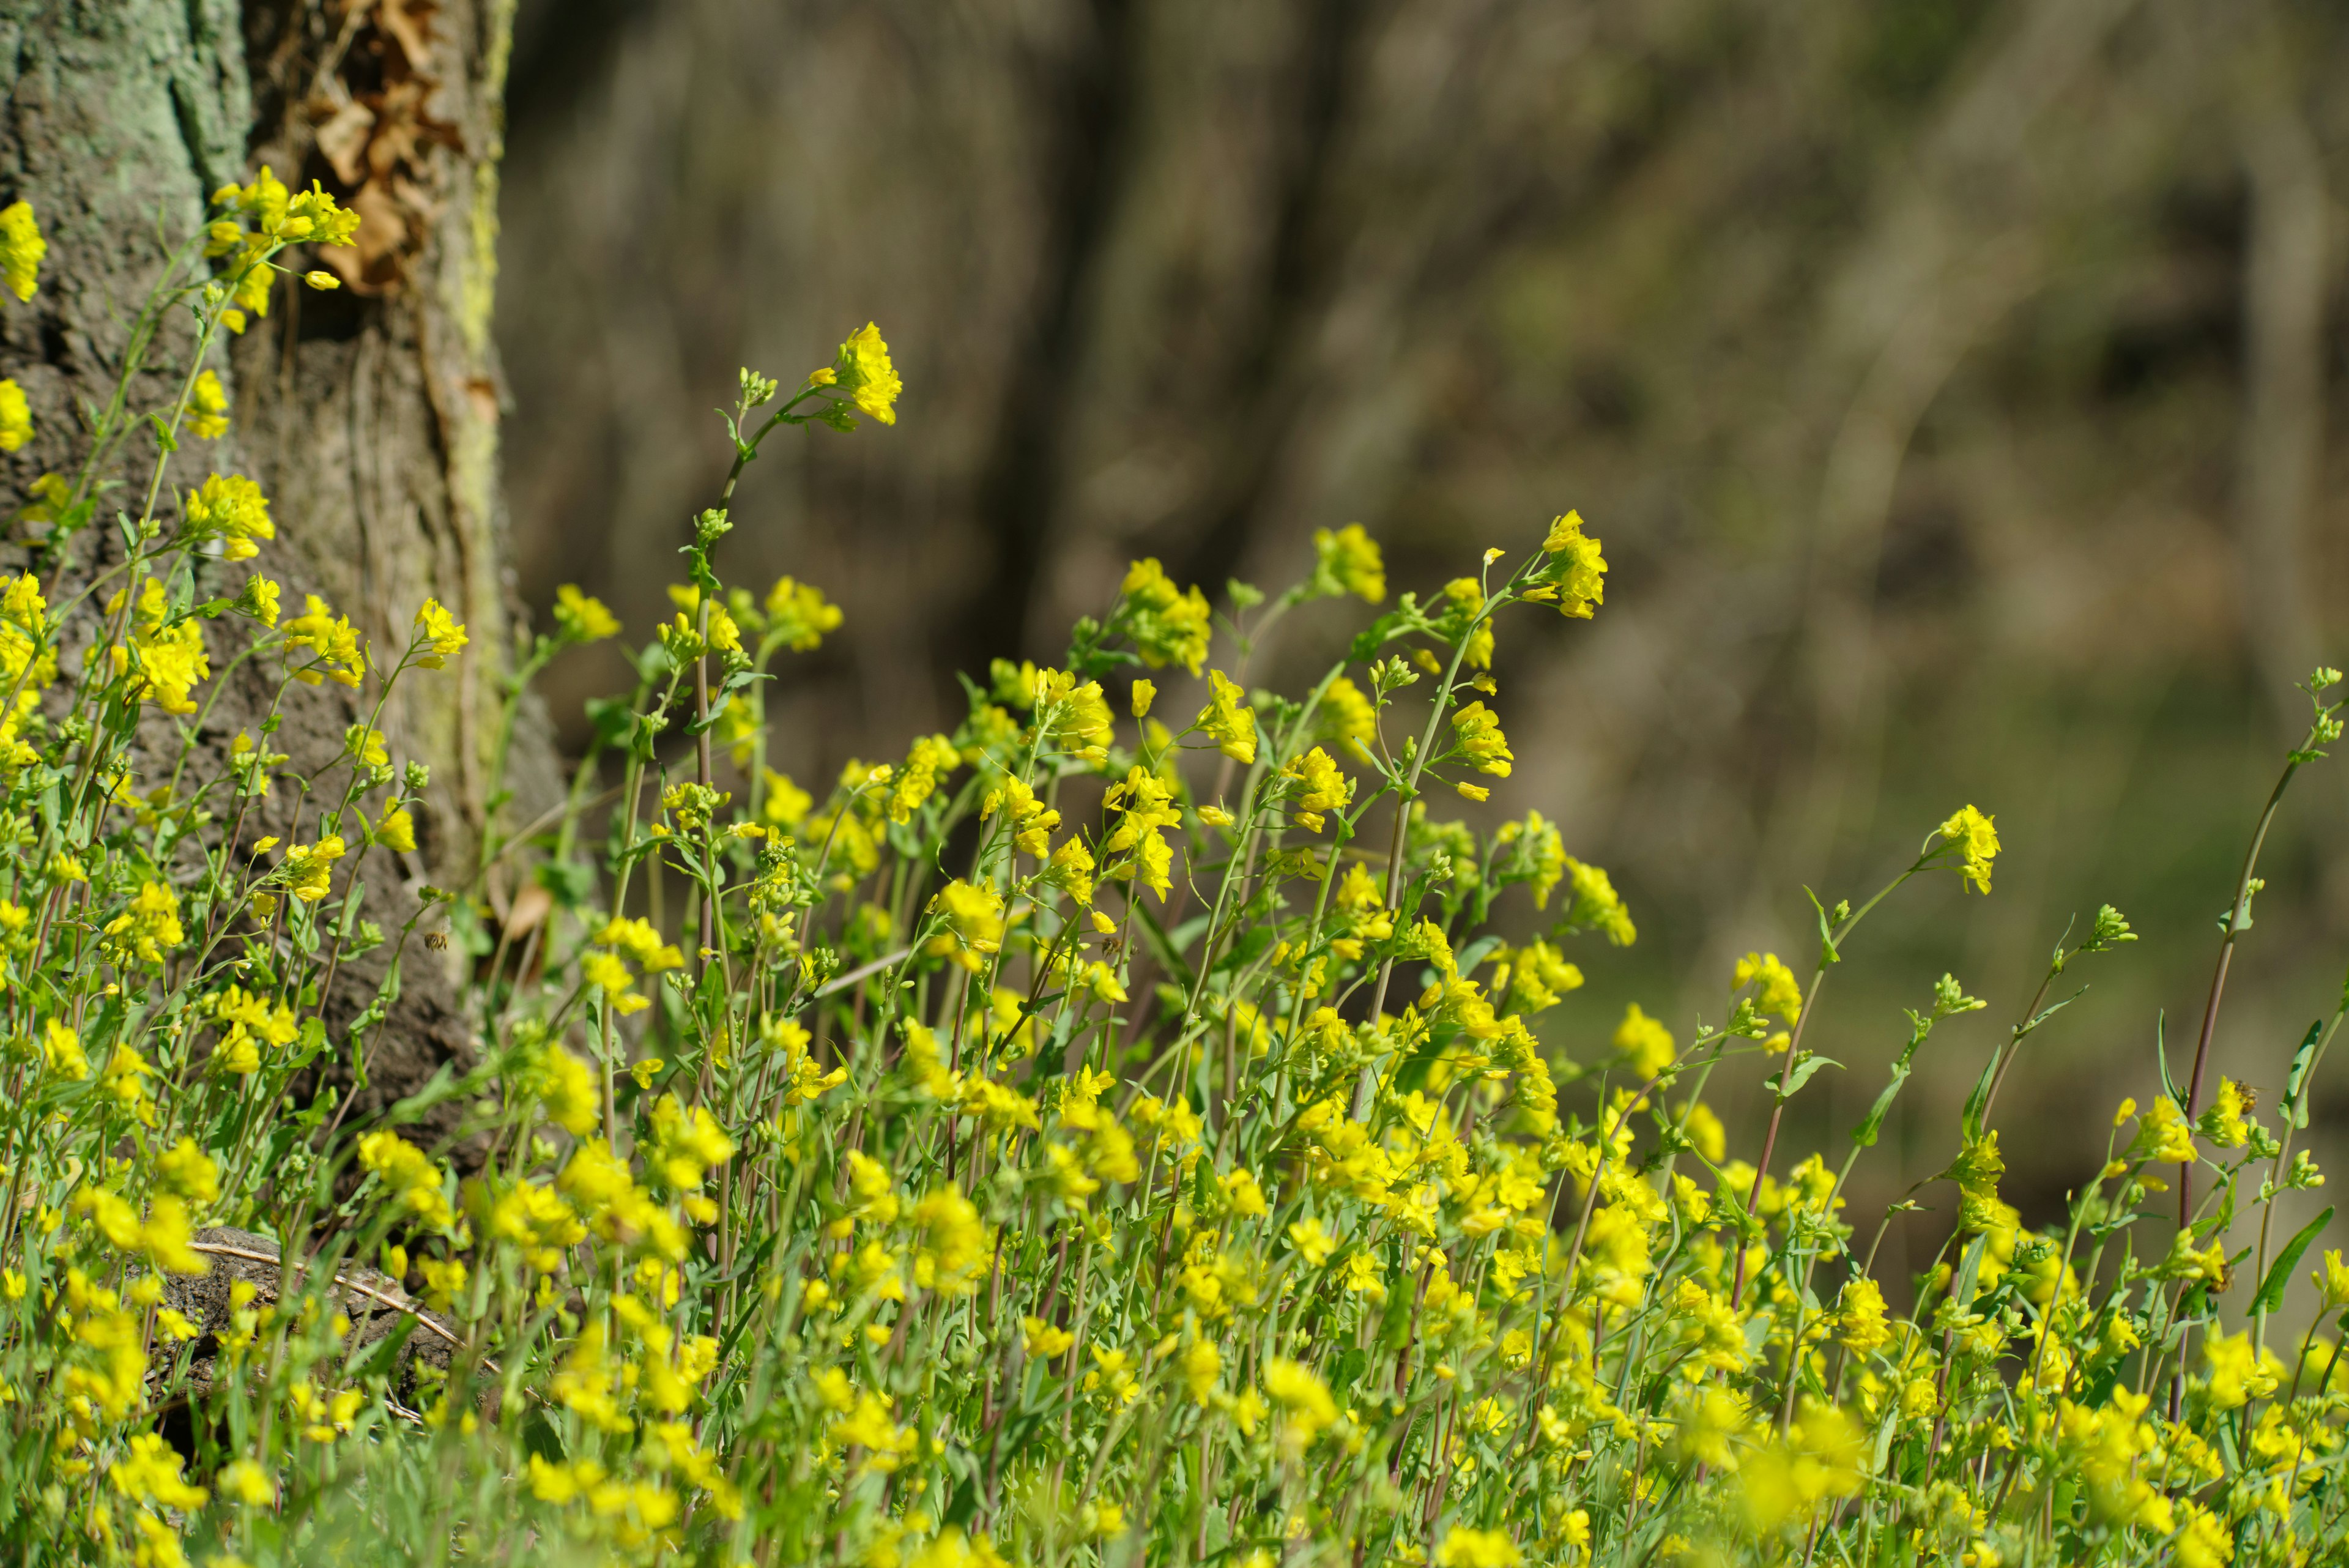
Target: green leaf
2272, 1289
2295, 1082
1828, 953
1978, 1102
1864, 1136
2161, 1055
1962, 1289
1796, 1075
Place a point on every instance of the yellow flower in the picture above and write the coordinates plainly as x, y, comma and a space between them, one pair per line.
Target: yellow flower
230, 508
2204, 1541
207, 408
1574, 573
1313, 1242
1304, 1399
1348, 562
863, 372
247, 1483
150, 926
1144, 693
684, 1144
1227, 720
1042, 1341
1073, 715
438, 630
2163, 1134
332, 641
150, 1472
1071, 869
309, 868
186, 1171
1776, 989
972, 925
413, 1182
1476, 736
1319, 787
1596, 905
21, 248
1645, 1045
1820, 1457
61, 1052
1975, 838
15, 417
2331, 1281
1463, 1547
580, 617
798, 616
1168, 626
396, 831
1461, 622
1859, 1316
1347, 717
2238, 1372
932, 759
2223, 1123
259, 601
786, 805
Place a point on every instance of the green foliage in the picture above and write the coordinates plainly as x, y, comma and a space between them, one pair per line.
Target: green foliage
1085, 1140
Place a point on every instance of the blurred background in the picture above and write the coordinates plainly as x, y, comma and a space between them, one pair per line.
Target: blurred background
1952, 382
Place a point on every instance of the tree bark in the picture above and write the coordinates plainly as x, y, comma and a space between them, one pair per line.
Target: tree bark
368, 415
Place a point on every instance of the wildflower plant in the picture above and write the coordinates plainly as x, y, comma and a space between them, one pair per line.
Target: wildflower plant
1136, 1127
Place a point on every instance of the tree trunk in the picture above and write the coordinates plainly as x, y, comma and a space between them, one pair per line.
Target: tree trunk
368, 415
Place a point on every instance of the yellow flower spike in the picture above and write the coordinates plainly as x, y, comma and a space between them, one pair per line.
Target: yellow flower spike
22, 247
1464, 1547
309, 870
1227, 720
1975, 838
331, 642
437, 632
1646, 1045
1317, 786
581, 617
863, 372
396, 831
798, 615
1477, 738
230, 509
972, 925
15, 417
1348, 562
2331, 1281
1573, 573
208, 407
2223, 1123
1167, 624
1775, 988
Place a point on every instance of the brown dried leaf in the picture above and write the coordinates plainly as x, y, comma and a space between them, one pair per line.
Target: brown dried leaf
343, 137
408, 23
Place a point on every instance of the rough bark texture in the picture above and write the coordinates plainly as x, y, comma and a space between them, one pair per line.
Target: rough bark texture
377, 1304
368, 415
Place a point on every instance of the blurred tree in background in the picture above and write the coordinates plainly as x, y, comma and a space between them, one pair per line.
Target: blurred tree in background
1949, 381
